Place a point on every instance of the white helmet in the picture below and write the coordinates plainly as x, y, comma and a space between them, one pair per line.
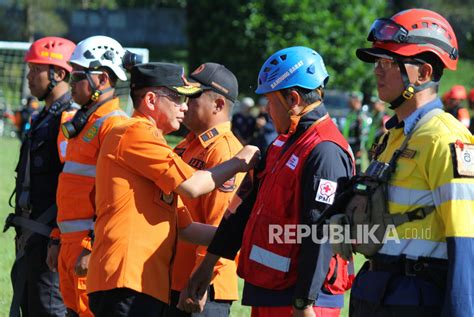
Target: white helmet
247, 102
100, 51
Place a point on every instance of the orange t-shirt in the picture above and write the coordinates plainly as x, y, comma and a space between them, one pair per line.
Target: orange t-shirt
75, 195
137, 213
205, 151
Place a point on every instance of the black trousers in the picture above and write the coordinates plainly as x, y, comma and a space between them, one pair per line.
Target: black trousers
360, 308
40, 295
122, 302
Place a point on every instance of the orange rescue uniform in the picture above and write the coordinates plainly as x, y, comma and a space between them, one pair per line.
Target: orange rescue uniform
137, 212
75, 199
205, 151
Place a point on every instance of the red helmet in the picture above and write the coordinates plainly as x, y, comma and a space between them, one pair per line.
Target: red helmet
412, 32
458, 92
471, 95
51, 51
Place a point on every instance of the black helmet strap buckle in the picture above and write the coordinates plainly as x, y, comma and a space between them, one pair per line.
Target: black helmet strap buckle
52, 83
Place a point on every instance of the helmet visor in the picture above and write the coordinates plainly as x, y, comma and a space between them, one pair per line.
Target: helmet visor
386, 30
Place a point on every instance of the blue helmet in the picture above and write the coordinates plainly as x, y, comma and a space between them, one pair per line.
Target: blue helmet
293, 66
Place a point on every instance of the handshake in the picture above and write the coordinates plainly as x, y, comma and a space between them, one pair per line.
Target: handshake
193, 297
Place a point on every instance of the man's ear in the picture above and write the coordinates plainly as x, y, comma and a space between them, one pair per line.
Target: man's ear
150, 100
104, 79
425, 72
59, 73
293, 99
219, 104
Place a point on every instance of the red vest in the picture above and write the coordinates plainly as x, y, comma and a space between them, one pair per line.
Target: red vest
279, 202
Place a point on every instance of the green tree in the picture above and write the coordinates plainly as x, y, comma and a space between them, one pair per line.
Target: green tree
242, 33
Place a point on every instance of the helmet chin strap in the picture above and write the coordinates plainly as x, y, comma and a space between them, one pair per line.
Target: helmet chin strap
295, 118
410, 89
52, 83
95, 92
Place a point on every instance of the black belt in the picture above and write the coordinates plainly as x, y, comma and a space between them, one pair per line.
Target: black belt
432, 270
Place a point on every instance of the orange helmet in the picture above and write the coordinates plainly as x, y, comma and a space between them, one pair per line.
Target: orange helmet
51, 51
458, 92
412, 32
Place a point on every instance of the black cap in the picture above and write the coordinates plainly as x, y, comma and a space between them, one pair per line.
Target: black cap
166, 75
218, 78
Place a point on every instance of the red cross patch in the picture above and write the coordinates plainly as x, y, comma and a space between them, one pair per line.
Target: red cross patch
326, 191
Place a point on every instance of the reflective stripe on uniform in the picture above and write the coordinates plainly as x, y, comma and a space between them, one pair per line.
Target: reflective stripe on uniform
76, 225
116, 113
414, 248
79, 169
442, 194
270, 259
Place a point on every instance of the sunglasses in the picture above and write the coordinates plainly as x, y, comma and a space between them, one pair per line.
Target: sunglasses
78, 75
173, 96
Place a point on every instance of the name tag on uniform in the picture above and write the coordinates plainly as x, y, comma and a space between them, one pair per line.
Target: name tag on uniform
292, 162
464, 160
278, 143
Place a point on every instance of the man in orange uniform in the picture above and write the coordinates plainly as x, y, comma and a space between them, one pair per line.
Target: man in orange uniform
209, 143
97, 65
138, 212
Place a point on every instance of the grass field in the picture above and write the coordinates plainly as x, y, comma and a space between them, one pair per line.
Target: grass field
9, 148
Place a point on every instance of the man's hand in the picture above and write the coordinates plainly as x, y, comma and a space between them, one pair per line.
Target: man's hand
307, 312
195, 293
191, 305
52, 257
82, 263
249, 156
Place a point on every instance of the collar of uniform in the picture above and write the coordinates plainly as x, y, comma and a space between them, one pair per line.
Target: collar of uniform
110, 105
209, 136
409, 123
411, 120
138, 115
58, 104
308, 119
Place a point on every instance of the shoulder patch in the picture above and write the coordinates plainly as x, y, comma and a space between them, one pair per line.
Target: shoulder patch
463, 159
326, 191
91, 133
209, 135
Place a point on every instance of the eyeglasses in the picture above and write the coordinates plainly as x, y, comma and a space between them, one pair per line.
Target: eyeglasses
387, 30
384, 63
78, 75
387, 63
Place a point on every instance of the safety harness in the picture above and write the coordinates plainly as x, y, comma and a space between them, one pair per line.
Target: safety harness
368, 203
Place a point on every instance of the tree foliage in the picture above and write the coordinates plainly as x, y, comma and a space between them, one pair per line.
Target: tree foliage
242, 33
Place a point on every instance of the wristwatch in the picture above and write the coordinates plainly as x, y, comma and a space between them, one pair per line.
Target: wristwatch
302, 303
